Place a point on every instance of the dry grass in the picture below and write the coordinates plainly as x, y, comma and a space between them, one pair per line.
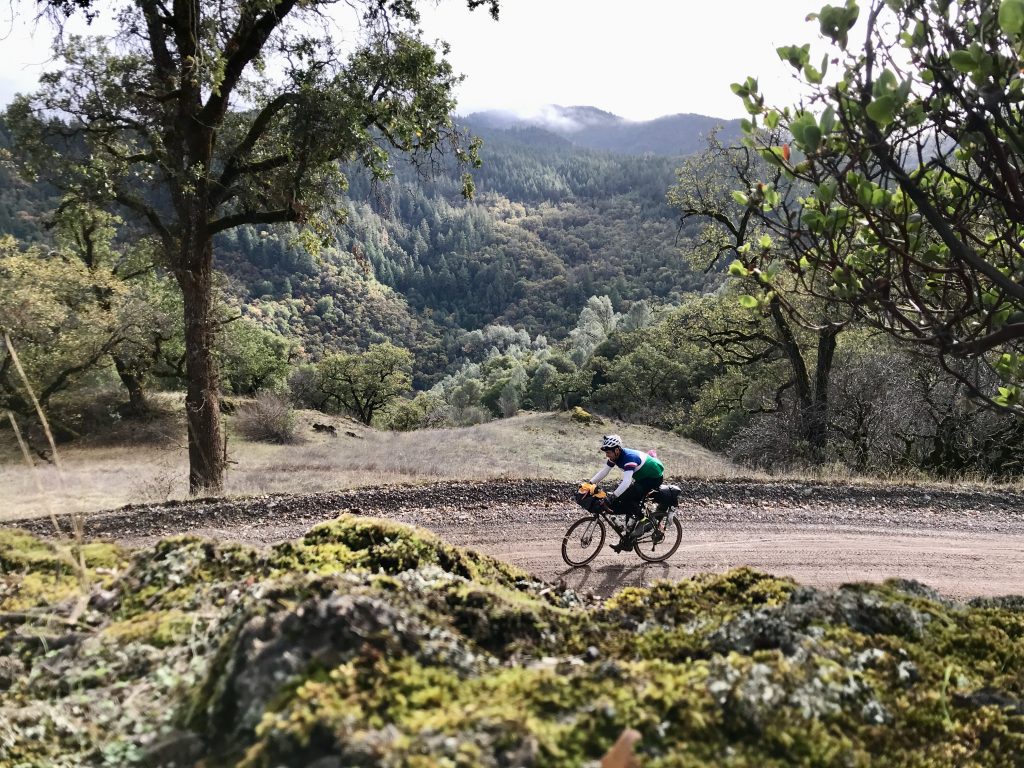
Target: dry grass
542, 445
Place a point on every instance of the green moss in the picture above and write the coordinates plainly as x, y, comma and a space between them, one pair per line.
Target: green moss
21, 551
187, 573
156, 628
567, 717
384, 546
581, 416
682, 601
103, 554
375, 644
35, 572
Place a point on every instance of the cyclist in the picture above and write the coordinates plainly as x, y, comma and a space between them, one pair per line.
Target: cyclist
641, 473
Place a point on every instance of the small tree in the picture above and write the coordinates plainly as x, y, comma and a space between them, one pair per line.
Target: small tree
509, 400
364, 384
253, 358
597, 321
743, 201
425, 411
59, 328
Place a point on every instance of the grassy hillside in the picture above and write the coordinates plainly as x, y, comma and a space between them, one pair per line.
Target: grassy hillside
547, 445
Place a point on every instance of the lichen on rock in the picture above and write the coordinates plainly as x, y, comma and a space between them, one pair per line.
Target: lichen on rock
368, 643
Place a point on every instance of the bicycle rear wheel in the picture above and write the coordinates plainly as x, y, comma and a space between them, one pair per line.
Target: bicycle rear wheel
655, 551
583, 541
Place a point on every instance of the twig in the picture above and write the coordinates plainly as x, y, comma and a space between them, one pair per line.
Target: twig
32, 394
28, 617
77, 522
35, 475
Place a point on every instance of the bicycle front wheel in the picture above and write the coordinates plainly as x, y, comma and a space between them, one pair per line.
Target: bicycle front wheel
654, 549
583, 541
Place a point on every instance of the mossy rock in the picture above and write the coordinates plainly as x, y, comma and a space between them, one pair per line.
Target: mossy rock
369, 643
40, 572
157, 628
377, 545
187, 573
581, 416
20, 551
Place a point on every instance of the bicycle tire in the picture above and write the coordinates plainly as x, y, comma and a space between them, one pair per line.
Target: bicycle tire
661, 555
589, 520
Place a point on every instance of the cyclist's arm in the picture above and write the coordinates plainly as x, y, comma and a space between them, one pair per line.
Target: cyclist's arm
602, 474
627, 478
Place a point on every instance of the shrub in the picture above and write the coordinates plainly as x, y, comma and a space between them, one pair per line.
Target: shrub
304, 390
470, 415
269, 418
425, 411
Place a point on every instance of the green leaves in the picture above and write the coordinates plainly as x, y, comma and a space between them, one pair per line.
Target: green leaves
889, 97
1010, 367
748, 302
737, 269
1008, 396
807, 134
836, 22
1011, 16
797, 56
747, 88
883, 110
962, 61
753, 101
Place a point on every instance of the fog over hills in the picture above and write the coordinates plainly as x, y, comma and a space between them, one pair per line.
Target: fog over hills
593, 128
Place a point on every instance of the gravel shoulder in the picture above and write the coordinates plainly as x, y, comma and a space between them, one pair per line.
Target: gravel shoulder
963, 543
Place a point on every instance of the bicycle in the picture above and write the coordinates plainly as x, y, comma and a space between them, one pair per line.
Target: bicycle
658, 532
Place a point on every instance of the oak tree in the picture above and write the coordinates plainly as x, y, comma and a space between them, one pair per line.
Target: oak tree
365, 384
201, 117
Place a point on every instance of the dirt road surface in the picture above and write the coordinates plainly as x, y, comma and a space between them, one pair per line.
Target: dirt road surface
961, 543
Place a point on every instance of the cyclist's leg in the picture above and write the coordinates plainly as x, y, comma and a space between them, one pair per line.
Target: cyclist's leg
645, 487
629, 504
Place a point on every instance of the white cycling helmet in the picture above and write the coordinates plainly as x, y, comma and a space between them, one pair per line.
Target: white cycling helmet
610, 441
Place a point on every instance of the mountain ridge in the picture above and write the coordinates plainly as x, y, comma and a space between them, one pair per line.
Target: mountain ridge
590, 127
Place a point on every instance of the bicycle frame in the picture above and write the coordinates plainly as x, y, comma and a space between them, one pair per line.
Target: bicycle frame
607, 515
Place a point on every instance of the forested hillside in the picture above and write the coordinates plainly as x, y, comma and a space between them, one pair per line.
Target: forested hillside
551, 225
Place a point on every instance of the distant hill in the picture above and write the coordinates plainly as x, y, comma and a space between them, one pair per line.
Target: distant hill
592, 128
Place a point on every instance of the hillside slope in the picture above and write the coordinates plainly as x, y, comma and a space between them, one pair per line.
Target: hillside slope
537, 445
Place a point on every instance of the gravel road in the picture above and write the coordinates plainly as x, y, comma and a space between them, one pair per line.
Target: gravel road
963, 543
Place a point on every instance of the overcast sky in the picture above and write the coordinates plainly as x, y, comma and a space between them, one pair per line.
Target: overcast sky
640, 59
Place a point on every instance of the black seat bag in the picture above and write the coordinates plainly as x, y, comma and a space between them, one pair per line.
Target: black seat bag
668, 496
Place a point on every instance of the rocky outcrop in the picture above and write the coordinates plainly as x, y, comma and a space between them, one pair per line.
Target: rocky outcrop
368, 643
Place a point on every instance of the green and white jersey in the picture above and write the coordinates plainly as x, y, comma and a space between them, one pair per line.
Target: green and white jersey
634, 465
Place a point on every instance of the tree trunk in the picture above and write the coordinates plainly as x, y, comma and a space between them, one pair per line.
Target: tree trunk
812, 396
817, 429
202, 401
807, 419
137, 404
